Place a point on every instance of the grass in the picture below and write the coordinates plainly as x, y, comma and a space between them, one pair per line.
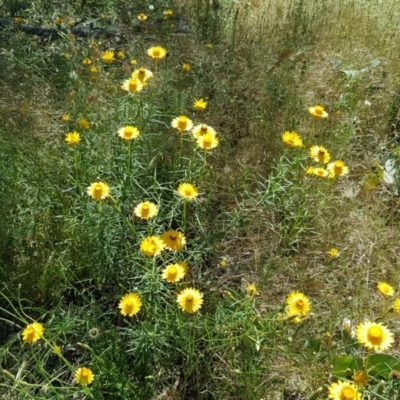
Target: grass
67, 259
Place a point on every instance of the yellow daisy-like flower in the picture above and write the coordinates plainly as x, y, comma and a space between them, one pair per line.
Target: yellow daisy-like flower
186, 67
321, 172
318, 112
142, 17
67, 56
173, 273
207, 141
83, 123
360, 378
343, 391
190, 300
121, 54
128, 132
333, 252
252, 290
65, 117
146, 210
199, 104
182, 123
396, 305
144, 75
18, 20
337, 168
84, 376
98, 190
188, 191
93, 69
87, 61
292, 139
72, 138
108, 56
297, 303
203, 129
174, 240
385, 289
157, 52
310, 171
320, 154
374, 336
133, 62
168, 13
132, 85
33, 332
152, 246
59, 20
130, 304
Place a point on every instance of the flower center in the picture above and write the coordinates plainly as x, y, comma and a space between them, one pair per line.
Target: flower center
98, 188
188, 192
203, 129
173, 236
375, 335
142, 73
348, 393
300, 303
145, 207
319, 110
172, 271
156, 53
85, 373
189, 297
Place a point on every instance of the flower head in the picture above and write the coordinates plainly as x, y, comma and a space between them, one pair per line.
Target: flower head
318, 112
321, 172
385, 289
374, 336
130, 304
121, 54
84, 376
87, 61
108, 56
182, 123
203, 129
65, 117
83, 123
132, 85
310, 170
297, 303
188, 191
333, 252
252, 290
94, 69
186, 67
98, 190
343, 391
199, 104
292, 139
142, 17
190, 300
337, 168
396, 305
72, 138
33, 332
128, 132
146, 210
157, 52
207, 141
320, 154
173, 273
168, 13
360, 378
174, 240
144, 75
152, 246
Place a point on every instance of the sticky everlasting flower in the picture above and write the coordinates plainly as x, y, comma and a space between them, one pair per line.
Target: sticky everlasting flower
333, 252
152, 246
98, 190
121, 54
87, 61
321, 172
168, 13
320, 154
360, 378
142, 17
182, 123
251, 290
173, 273
297, 303
337, 168
374, 336
318, 112
157, 52
203, 129
174, 240
396, 306
343, 391
385, 289
33, 332
190, 300
83, 123
128, 132
144, 75
108, 56
207, 141
84, 376
199, 104
65, 118
186, 67
188, 191
146, 210
132, 85
292, 139
72, 138
130, 304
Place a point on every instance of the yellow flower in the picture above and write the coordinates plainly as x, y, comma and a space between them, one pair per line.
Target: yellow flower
190, 300
87, 61
203, 129
72, 138
186, 67
321, 172
385, 289
65, 118
297, 304
182, 123
252, 290
59, 20
343, 391
174, 240
128, 132
93, 69
152, 246
319, 154
333, 252
133, 62
144, 75
374, 336
292, 139
98, 190
318, 112
67, 56
210, 45
337, 168
168, 13
207, 141
121, 54
108, 56
18, 20
142, 17
199, 104
360, 378
146, 210
188, 191
157, 52
83, 123
173, 273
396, 305
310, 171
130, 304
33, 332
132, 85
84, 376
